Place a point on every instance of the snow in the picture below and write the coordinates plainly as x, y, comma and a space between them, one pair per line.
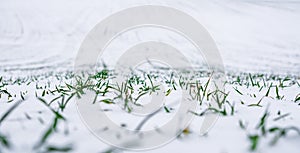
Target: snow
252, 36
250, 33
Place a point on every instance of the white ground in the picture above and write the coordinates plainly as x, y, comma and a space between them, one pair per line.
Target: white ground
259, 36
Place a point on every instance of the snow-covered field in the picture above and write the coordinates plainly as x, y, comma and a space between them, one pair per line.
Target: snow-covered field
257, 37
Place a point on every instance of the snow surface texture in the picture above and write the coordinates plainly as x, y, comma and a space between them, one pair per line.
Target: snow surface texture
252, 36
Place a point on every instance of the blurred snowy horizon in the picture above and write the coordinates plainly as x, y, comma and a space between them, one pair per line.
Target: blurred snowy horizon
259, 36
